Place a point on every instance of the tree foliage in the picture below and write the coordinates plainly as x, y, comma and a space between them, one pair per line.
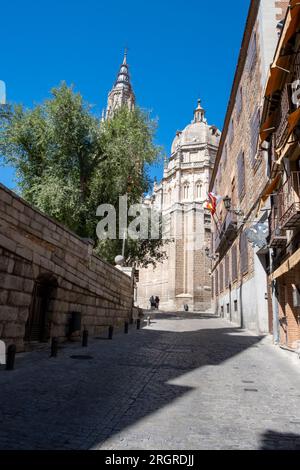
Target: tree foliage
68, 162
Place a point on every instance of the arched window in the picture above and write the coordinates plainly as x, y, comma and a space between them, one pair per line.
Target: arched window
170, 197
199, 190
186, 191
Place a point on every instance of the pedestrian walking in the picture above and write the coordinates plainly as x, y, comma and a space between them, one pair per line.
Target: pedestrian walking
157, 300
152, 302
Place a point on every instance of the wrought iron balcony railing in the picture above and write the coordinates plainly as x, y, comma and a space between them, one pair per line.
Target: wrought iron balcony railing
278, 237
289, 202
226, 234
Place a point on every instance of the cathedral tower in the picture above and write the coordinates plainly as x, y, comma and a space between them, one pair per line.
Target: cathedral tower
183, 278
121, 93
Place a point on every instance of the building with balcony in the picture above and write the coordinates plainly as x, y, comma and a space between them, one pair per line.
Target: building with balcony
280, 132
242, 173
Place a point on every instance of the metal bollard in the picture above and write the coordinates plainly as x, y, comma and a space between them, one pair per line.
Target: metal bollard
54, 347
126, 327
110, 332
10, 357
138, 323
85, 336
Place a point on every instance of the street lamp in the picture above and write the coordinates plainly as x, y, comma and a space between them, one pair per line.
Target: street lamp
227, 204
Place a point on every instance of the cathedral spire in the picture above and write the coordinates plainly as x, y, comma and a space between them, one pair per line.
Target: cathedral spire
122, 93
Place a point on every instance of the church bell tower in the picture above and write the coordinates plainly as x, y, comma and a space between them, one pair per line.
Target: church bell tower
121, 93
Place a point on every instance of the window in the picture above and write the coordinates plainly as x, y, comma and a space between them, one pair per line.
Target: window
198, 190
217, 282
234, 263
235, 305
231, 132
252, 53
239, 102
241, 175
228, 309
186, 191
255, 121
244, 253
227, 271
225, 155
221, 278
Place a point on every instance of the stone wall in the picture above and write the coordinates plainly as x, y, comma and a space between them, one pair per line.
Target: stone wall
34, 248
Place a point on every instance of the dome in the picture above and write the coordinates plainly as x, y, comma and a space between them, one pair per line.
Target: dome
198, 132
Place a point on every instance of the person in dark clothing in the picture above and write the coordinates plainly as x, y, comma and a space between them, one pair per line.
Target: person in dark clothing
152, 302
157, 302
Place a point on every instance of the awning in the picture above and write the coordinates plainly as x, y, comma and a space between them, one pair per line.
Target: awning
280, 67
286, 266
277, 76
272, 185
267, 128
290, 27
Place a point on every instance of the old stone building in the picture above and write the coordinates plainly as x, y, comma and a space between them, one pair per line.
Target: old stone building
280, 133
47, 274
183, 278
241, 172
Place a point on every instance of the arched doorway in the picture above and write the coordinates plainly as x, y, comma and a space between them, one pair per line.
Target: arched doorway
37, 327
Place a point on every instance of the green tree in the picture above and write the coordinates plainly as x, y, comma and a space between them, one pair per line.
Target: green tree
68, 162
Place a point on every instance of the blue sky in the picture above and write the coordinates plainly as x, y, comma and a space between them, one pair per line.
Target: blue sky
178, 51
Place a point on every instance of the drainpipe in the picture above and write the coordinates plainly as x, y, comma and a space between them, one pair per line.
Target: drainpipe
275, 308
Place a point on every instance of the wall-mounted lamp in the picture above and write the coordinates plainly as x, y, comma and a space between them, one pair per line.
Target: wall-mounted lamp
213, 257
227, 204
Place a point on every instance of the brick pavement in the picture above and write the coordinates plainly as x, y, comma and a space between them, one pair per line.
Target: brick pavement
182, 383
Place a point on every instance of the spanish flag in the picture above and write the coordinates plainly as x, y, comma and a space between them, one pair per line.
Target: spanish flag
212, 202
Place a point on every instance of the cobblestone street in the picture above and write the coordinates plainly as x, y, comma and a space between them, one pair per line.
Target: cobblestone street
180, 383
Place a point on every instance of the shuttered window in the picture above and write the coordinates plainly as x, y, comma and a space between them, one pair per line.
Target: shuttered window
217, 282
252, 53
241, 175
221, 278
227, 280
231, 132
243, 253
234, 268
255, 121
225, 155
239, 102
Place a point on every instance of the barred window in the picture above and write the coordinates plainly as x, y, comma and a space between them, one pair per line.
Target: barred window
255, 121
234, 268
243, 253
221, 278
227, 271
252, 53
241, 174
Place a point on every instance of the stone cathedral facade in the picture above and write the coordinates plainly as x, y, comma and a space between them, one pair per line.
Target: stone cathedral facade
184, 277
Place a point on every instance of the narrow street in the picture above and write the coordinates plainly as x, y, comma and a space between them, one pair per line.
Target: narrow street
180, 383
